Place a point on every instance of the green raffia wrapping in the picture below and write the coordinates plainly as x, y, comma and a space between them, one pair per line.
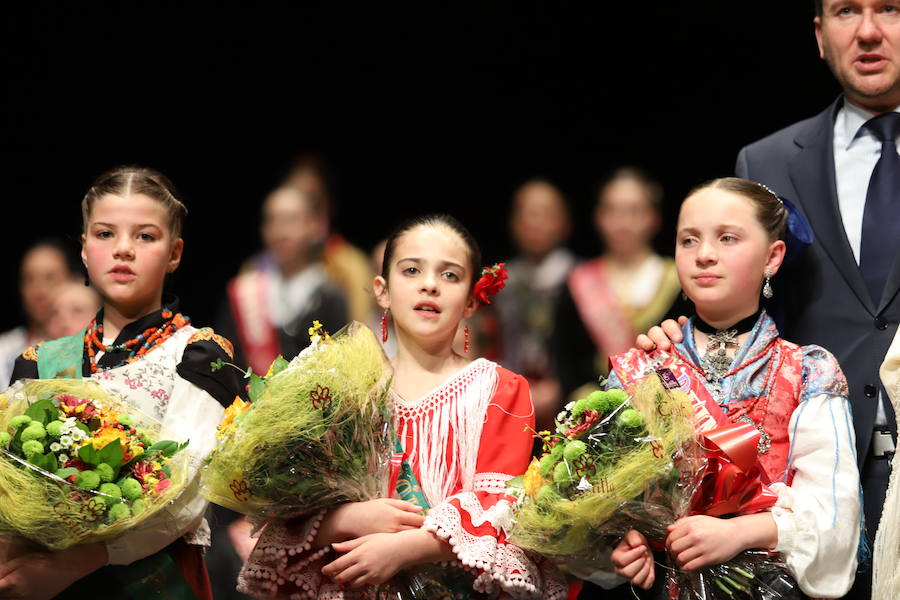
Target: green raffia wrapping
620, 455
317, 433
51, 511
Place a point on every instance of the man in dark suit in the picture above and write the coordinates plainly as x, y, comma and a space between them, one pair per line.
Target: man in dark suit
843, 294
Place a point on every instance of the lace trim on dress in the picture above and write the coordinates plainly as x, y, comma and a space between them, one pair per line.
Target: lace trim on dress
268, 566
501, 564
492, 483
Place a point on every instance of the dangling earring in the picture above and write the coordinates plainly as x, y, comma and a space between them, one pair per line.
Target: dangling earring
466, 345
683, 296
87, 282
384, 327
767, 287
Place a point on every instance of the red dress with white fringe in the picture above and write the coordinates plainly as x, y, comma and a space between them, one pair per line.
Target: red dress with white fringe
463, 440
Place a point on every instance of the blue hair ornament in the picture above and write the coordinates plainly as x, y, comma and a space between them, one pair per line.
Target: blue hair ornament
799, 234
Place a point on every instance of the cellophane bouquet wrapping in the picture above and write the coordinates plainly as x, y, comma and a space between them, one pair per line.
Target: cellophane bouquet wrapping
79, 465
607, 450
317, 431
619, 461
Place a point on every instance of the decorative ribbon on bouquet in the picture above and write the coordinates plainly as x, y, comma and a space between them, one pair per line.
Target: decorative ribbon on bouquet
733, 482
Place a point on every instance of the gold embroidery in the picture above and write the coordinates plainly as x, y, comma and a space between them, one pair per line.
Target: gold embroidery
30, 353
207, 333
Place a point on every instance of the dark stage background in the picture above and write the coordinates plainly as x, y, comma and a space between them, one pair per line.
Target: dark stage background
420, 107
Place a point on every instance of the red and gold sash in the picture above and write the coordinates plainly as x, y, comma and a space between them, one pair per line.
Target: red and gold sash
600, 310
248, 296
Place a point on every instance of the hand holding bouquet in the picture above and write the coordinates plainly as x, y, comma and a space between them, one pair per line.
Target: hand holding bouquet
77, 465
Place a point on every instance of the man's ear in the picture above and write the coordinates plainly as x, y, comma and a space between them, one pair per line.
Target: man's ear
818, 22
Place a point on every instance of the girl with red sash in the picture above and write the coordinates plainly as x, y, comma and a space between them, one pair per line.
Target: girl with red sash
464, 428
142, 349
729, 243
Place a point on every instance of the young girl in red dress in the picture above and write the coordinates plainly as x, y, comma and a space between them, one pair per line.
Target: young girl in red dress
465, 427
729, 244
142, 349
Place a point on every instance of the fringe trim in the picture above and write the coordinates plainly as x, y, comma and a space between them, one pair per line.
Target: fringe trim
446, 428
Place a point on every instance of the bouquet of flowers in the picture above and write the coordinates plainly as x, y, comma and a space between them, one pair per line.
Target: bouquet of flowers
316, 432
607, 450
77, 465
622, 461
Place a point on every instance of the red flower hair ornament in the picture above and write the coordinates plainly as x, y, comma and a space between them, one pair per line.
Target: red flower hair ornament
493, 279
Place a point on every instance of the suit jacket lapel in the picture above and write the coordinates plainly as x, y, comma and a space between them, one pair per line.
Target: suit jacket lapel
891, 286
812, 173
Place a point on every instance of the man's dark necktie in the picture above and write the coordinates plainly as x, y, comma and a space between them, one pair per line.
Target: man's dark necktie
881, 216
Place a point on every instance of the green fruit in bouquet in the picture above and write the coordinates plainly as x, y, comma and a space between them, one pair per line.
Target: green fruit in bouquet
32, 447
19, 421
34, 431
631, 419
131, 488
546, 465
118, 512
113, 493
54, 428
4, 439
105, 472
574, 449
125, 420
561, 474
547, 494
87, 480
557, 450
138, 506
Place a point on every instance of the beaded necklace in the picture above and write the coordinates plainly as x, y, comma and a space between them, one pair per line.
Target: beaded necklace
137, 346
765, 440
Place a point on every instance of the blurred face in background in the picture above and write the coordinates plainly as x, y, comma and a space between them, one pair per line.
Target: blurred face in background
625, 218
43, 270
291, 228
73, 308
539, 220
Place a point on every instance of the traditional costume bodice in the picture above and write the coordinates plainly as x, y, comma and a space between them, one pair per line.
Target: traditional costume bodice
762, 386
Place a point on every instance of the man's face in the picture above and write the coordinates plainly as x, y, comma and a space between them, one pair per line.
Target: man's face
860, 40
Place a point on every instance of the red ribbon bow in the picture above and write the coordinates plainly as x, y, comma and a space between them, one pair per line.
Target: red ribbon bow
733, 483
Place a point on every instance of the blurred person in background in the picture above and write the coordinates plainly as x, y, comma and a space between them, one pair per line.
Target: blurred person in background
45, 266
271, 304
539, 225
72, 308
624, 291
348, 266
